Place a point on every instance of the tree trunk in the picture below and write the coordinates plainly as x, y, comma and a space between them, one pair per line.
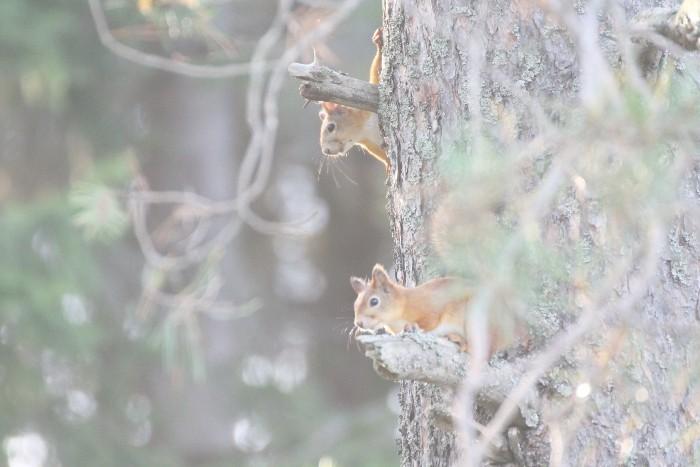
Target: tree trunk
433, 50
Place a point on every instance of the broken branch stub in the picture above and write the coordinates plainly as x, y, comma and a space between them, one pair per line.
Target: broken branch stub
326, 85
424, 357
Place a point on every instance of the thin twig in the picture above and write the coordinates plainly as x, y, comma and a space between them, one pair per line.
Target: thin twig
159, 62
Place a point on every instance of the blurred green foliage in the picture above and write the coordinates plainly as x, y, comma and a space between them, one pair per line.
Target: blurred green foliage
546, 224
99, 210
56, 330
58, 325
44, 51
76, 365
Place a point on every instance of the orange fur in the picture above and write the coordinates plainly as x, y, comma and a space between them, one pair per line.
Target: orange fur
375, 151
344, 127
431, 304
376, 68
438, 306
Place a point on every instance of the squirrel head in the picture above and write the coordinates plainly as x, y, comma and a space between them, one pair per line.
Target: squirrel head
376, 305
341, 128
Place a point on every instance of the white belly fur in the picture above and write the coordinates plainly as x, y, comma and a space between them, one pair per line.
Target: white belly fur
447, 328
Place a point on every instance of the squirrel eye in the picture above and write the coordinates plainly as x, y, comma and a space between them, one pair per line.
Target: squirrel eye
373, 302
330, 127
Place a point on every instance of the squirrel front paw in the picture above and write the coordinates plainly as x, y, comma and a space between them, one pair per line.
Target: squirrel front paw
377, 38
459, 340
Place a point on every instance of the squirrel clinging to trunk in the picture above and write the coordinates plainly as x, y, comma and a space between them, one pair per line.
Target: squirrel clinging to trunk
343, 127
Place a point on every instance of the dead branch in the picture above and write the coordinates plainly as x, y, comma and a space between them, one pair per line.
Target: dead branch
424, 357
326, 85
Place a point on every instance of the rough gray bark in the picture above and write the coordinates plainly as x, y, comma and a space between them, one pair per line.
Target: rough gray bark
429, 359
421, 70
425, 100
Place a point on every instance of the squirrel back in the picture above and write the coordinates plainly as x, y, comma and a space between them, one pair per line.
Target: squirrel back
439, 306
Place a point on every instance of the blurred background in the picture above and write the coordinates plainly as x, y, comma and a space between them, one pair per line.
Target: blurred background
241, 357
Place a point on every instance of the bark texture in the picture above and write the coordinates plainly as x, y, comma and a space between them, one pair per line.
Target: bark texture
425, 100
421, 67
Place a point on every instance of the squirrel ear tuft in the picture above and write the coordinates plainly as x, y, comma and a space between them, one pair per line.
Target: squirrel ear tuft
380, 277
358, 285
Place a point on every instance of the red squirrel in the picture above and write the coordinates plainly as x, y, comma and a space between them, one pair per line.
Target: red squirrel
343, 127
438, 306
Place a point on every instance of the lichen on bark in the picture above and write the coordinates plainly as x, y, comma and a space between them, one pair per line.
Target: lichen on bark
427, 101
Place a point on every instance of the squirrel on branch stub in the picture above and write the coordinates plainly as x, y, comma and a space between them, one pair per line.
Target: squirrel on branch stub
439, 306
